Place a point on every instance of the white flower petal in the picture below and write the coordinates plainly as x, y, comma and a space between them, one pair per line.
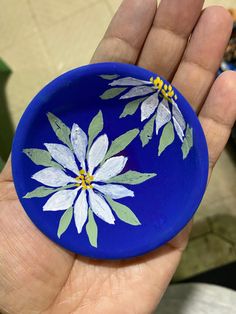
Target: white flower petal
63, 155
61, 200
53, 177
163, 115
149, 106
138, 91
100, 207
129, 81
178, 120
115, 191
110, 168
178, 130
97, 152
79, 142
81, 211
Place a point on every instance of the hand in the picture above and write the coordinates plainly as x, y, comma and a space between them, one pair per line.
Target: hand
36, 275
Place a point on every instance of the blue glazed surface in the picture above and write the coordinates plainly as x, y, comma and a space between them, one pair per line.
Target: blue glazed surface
163, 204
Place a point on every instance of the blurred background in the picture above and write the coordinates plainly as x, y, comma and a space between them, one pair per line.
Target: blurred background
40, 39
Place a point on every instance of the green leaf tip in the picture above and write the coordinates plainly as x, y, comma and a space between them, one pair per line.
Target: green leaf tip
188, 142
95, 127
92, 229
109, 77
131, 107
39, 192
112, 92
41, 157
61, 130
64, 222
43, 191
123, 212
121, 142
167, 137
147, 132
132, 177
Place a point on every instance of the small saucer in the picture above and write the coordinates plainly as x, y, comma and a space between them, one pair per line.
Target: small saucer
110, 161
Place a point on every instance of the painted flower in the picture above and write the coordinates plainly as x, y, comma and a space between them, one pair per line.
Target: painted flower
84, 176
157, 101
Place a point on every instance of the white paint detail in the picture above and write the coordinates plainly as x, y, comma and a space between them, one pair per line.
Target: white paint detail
53, 177
138, 91
81, 211
111, 168
115, 191
149, 106
61, 200
129, 81
178, 119
63, 155
97, 152
163, 115
79, 142
100, 207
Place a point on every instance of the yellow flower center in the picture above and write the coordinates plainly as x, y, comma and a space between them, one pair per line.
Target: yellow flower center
84, 180
166, 91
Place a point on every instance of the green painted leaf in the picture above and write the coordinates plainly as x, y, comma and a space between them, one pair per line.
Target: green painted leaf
147, 132
43, 191
132, 107
121, 142
61, 130
123, 212
112, 92
132, 177
40, 192
64, 221
188, 142
109, 77
167, 137
92, 229
95, 128
41, 157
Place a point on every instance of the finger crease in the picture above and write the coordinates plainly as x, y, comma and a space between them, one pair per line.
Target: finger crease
122, 40
217, 120
171, 31
199, 65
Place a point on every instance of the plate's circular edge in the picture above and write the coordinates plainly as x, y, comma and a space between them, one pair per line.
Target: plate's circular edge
29, 113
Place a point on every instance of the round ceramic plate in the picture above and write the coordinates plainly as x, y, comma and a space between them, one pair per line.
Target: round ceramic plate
110, 161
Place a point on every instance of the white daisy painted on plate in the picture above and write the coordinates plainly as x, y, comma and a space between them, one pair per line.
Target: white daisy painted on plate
158, 103
84, 176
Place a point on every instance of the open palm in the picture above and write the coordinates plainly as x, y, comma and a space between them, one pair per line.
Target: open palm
185, 45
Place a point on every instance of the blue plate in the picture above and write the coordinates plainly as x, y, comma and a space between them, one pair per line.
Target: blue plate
110, 161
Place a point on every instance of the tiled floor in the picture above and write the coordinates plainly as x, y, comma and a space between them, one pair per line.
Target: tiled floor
213, 240
41, 39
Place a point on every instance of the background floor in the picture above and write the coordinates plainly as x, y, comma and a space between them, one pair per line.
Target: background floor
41, 39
